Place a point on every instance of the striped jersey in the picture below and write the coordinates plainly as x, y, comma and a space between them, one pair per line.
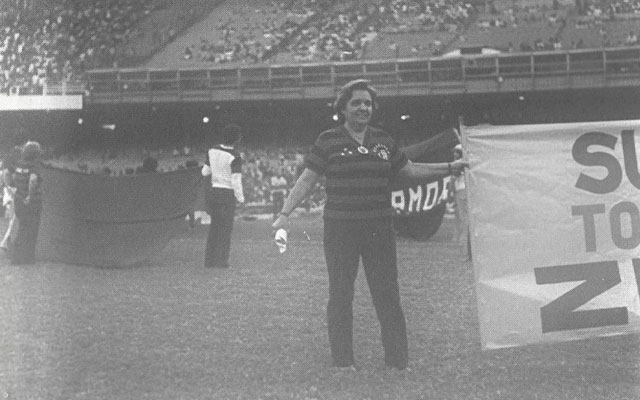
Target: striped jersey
357, 177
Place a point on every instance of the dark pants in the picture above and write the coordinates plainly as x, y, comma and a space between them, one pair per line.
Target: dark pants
221, 206
278, 202
345, 241
24, 247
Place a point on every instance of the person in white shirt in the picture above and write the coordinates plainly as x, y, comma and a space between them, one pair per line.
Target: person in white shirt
224, 168
8, 193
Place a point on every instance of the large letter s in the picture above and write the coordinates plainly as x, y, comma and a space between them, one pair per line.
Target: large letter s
583, 157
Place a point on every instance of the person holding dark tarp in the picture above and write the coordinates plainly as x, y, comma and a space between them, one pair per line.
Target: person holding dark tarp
8, 194
359, 161
224, 168
28, 204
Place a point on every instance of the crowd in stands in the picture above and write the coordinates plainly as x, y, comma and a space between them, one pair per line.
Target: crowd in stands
250, 32
626, 7
610, 9
346, 30
259, 165
515, 14
411, 15
337, 35
518, 26
56, 40
48, 41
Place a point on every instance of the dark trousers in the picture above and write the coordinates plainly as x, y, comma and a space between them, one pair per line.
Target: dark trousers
345, 241
278, 202
28, 219
221, 207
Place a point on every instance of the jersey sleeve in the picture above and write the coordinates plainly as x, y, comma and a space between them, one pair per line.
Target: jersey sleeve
317, 158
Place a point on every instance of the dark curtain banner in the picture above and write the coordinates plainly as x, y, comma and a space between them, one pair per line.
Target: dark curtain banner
420, 224
112, 221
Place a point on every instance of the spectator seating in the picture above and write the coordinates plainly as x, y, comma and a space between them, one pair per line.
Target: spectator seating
408, 45
508, 38
236, 32
57, 40
618, 31
583, 34
517, 26
49, 41
336, 35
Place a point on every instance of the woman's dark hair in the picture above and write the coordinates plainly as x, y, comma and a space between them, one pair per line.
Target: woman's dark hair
346, 92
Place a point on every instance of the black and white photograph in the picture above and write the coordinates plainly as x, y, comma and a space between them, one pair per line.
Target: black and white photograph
320, 199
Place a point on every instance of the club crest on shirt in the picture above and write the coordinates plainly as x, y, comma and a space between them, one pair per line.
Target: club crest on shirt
382, 151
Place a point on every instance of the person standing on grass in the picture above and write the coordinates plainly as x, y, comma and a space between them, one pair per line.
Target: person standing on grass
8, 194
359, 162
28, 204
224, 168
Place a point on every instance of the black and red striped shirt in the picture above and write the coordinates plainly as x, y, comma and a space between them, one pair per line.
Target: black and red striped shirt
357, 177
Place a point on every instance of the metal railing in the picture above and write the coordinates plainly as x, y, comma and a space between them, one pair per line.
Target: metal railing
429, 73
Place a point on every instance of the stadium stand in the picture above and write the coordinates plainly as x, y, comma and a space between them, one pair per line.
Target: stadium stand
236, 32
52, 41
417, 29
58, 40
516, 26
335, 35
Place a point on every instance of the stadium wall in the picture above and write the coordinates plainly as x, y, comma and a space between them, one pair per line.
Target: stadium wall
289, 123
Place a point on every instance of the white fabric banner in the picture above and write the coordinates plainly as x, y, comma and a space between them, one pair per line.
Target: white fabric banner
555, 230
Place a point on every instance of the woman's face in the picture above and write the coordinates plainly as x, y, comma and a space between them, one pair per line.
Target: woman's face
358, 110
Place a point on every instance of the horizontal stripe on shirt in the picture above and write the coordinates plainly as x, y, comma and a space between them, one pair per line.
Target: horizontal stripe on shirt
357, 184
358, 168
358, 199
359, 214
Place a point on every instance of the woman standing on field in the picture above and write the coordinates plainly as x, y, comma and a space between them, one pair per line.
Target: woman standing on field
359, 162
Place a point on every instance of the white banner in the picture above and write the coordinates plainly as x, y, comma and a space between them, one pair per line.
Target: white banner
555, 230
22, 103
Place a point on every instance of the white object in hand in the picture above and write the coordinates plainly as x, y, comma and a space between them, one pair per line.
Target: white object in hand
281, 240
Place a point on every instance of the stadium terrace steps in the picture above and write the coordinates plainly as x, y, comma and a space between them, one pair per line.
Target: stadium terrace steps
424, 43
245, 23
501, 38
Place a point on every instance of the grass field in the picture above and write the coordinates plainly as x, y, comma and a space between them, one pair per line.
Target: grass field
171, 329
